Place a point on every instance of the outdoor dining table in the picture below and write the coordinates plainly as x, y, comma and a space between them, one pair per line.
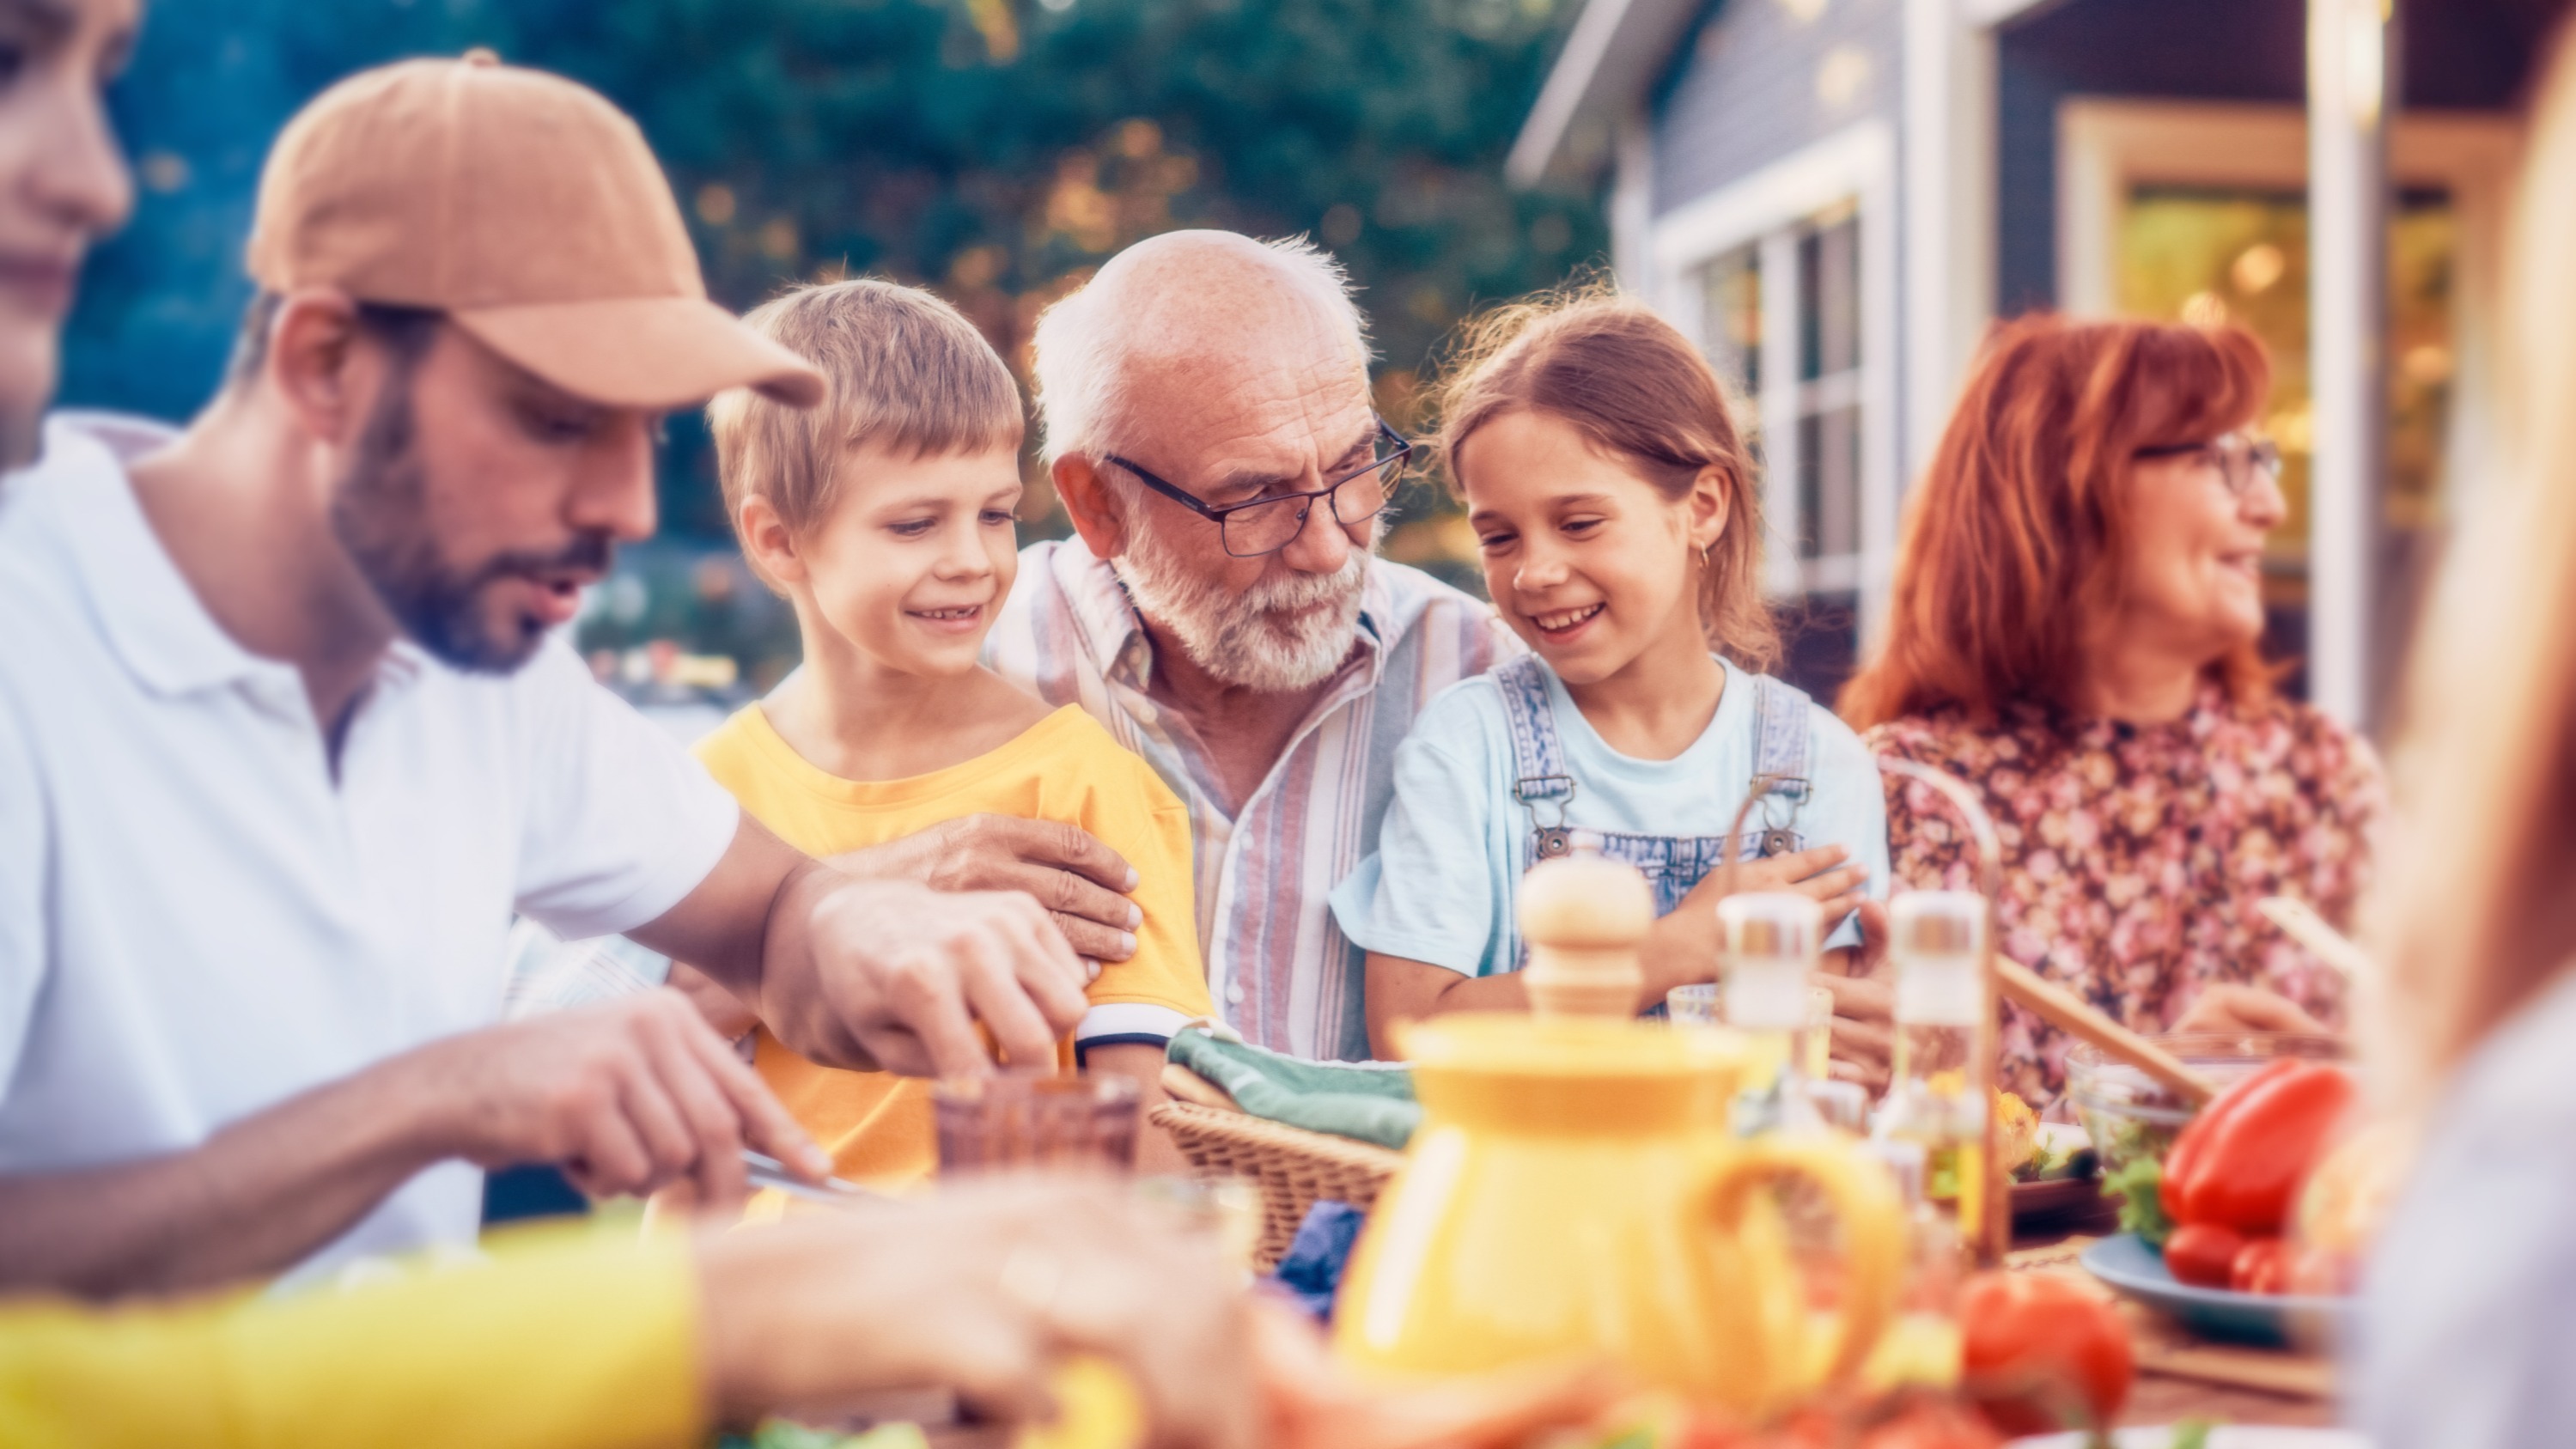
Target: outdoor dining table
2183, 1377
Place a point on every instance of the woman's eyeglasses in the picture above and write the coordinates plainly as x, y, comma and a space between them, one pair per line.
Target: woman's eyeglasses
1267, 525
2236, 457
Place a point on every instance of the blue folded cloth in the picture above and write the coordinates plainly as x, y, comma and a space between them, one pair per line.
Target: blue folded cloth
1372, 1101
1312, 1269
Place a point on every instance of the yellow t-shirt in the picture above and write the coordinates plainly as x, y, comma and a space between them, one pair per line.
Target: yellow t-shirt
1065, 767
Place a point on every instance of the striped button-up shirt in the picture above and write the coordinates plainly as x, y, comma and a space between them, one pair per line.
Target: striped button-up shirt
1278, 965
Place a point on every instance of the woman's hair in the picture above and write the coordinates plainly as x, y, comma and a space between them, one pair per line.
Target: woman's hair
2480, 911
1638, 391
2010, 546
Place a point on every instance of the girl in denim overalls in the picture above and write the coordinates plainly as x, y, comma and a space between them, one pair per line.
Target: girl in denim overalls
1617, 516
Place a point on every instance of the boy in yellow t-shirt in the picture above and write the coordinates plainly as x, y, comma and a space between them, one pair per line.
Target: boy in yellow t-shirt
885, 517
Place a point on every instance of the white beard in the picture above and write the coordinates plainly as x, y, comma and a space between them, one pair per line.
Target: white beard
1261, 639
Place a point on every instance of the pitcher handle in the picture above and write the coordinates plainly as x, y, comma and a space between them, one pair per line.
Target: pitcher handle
1873, 1219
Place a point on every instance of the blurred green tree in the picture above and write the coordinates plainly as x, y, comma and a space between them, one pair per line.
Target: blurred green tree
994, 149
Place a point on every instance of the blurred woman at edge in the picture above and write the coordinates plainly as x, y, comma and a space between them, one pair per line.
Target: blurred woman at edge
2074, 632
2469, 1316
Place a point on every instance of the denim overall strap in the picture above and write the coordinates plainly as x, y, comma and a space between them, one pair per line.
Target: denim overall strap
1780, 757
1539, 775
1672, 864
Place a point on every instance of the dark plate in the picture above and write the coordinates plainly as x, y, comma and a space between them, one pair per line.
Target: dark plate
2058, 1197
2138, 1271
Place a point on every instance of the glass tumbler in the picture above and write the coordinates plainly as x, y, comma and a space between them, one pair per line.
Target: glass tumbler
1696, 1005
1070, 1121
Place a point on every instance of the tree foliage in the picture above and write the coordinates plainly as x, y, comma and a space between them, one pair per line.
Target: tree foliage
994, 149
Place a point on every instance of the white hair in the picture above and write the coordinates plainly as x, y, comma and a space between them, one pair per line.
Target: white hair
1082, 342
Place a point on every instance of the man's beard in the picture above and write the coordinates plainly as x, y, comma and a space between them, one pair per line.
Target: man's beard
1272, 637
379, 513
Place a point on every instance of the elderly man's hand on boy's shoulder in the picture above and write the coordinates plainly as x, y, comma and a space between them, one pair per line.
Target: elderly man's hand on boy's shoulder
1081, 882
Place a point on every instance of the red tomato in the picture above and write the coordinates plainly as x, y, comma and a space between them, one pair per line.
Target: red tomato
2041, 1352
2203, 1254
2261, 1266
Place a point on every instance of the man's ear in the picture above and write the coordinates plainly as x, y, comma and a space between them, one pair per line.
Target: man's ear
314, 364
767, 541
1709, 505
1087, 501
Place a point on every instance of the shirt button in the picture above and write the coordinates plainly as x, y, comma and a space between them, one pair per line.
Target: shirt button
1234, 992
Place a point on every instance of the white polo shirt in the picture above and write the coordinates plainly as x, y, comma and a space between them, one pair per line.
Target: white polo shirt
197, 922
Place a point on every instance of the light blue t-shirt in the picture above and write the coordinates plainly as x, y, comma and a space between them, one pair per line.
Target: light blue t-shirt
1440, 887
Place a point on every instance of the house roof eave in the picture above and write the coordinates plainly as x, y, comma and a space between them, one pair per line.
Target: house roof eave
1611, 57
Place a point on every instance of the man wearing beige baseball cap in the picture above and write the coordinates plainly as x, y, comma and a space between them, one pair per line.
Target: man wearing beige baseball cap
286, 736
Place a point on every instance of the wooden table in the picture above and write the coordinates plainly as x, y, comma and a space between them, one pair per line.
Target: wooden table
2183, 1377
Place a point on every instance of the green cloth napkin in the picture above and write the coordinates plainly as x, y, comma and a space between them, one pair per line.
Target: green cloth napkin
1371, 1101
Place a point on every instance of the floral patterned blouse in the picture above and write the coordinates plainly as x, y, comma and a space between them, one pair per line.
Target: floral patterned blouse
2133, 855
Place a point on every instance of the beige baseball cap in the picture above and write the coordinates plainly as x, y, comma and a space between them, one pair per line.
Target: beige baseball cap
526, 208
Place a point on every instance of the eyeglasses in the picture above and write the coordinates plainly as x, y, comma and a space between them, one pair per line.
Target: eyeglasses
2236, 457
1267, 525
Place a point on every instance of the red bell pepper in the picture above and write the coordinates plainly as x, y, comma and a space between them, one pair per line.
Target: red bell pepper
2241, 1161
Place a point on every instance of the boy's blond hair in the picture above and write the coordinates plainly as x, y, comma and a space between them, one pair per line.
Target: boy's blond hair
904, 371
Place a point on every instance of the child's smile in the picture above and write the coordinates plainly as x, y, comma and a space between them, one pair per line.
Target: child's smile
1563, 626
962, 619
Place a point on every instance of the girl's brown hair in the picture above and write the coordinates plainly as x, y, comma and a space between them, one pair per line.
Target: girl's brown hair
1637, 390
2010, 546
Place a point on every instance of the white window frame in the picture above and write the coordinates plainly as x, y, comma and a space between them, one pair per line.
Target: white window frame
2106, 149
1855, 166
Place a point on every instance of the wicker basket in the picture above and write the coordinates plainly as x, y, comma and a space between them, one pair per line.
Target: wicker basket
1295, 1168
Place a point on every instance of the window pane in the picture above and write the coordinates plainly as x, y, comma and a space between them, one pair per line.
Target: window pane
1829, 299
1731, 296
1829, 483
1820, 641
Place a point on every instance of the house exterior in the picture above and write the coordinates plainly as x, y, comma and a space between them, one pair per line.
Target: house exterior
1834, 198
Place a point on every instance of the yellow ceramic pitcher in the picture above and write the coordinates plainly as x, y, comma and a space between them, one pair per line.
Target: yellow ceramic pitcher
1573, 1191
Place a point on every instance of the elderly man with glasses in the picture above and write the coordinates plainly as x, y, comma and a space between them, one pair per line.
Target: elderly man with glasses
1206, 408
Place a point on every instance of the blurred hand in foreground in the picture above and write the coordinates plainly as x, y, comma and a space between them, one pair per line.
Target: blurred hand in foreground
1312, 1402
2225, 1006
985, 1288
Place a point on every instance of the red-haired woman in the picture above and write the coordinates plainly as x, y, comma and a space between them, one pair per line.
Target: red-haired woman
2074, 629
